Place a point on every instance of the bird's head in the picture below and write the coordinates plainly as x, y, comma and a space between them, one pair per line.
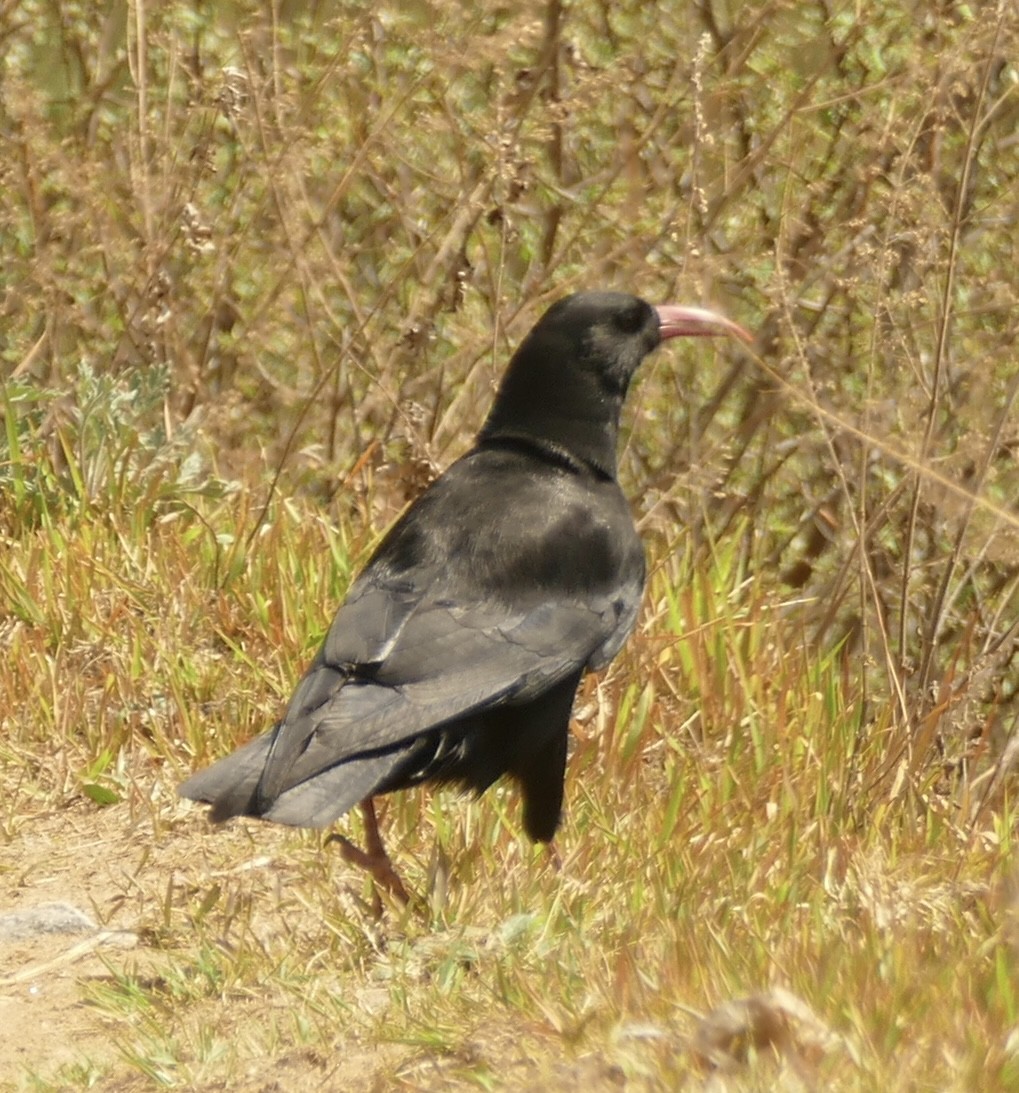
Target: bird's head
566, 383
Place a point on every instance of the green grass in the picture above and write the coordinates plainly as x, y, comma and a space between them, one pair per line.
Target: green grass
259, 277
732, 825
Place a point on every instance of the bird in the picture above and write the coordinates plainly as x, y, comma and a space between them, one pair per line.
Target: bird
457, 653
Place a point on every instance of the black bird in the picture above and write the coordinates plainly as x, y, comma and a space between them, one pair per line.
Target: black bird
457, 653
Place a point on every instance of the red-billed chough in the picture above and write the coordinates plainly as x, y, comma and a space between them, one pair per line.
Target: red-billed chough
457, 652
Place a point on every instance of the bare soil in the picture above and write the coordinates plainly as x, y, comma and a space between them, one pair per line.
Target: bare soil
123, 876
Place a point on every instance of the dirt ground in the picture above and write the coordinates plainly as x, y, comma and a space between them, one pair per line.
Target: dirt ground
85, 858
121, 873
113, 870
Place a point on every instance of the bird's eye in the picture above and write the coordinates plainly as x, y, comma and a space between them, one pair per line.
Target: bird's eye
631, 319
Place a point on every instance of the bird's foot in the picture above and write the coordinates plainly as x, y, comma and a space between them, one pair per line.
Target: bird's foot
373, 859
379, 867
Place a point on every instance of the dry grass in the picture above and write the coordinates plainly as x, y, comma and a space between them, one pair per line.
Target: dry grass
260, 272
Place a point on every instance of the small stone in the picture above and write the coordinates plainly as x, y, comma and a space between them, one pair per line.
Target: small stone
47, 918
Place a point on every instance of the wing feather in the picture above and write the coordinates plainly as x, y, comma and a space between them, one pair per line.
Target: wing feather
444, 663
508, 577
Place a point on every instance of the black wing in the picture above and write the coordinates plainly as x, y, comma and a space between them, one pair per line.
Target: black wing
437, 628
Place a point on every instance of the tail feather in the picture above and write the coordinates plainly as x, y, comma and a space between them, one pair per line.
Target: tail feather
326, 797
231, 784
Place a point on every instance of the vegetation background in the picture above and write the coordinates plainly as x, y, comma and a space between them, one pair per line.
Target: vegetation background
262, 266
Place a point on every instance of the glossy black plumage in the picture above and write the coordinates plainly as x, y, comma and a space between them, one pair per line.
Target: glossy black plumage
457, 653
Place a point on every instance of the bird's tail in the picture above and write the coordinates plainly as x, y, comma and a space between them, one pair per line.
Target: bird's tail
231, 784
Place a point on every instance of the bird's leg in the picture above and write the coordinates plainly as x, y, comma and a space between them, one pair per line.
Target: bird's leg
373, 858
381, 867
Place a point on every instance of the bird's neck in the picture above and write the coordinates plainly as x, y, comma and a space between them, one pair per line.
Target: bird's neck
582, 447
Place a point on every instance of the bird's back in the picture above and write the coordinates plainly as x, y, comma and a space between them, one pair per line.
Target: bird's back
511, 521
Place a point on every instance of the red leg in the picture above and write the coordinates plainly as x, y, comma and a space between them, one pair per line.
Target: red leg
374, 858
